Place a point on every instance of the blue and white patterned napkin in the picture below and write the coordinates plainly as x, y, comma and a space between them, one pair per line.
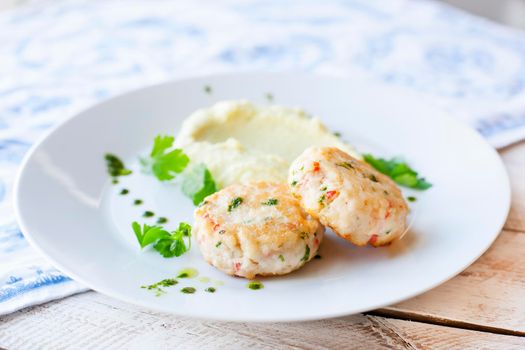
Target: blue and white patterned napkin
57, 58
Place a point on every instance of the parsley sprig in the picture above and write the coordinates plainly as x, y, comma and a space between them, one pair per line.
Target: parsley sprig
399, 171
165, 163
198, 183
166, 243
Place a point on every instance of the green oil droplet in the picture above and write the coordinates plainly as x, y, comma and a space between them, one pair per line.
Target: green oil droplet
188, 273
255, 285
162, 220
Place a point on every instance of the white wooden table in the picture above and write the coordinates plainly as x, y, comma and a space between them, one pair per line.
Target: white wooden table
481, 308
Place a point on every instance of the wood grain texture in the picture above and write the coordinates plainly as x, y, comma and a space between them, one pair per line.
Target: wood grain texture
514, 159
490, 293
93, 321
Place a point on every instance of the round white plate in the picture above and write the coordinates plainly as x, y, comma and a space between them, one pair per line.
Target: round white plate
69, 210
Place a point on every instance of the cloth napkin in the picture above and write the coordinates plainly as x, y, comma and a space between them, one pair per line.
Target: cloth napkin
59, 57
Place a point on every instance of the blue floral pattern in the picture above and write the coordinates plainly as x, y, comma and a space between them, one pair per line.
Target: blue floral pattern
58, 58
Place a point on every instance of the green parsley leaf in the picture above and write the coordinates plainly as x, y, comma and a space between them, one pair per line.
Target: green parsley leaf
148, 234
184, 229
373, 178
168, 282
346, 165
306, 254
115, 166
271, 201
198, 183
407, 180
234, 203
381, 165
163, 163
422, 184
399, 171
167, 244
174, 245
138, 232
169, 248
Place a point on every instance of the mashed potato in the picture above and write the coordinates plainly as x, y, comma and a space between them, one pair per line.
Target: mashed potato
241, 143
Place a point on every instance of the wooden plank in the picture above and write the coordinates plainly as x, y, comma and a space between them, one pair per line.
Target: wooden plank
488, 295
425, 336
94, 321
514, 159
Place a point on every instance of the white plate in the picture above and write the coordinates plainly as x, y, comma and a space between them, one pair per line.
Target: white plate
68, 209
